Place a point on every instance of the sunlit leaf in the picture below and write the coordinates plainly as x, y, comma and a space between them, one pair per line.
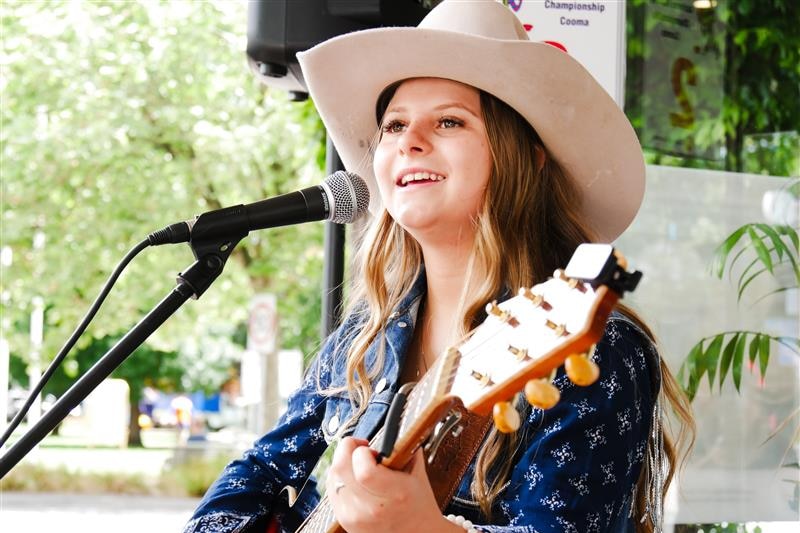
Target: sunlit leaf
689, 374
727, 357
763, 355
754, 346
781, 247
778, 245
761, 249
721, 253
743, 283
791, 233
712, 358
738, 361
770, 293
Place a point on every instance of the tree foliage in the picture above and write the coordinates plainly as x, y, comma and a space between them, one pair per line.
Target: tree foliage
119, 118
724, 93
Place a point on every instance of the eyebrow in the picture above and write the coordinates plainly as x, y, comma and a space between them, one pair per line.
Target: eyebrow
440, 107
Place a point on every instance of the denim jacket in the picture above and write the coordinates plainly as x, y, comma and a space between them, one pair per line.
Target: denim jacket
575, 469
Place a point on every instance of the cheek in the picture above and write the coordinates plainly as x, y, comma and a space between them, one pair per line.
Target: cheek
381, 167
379, 160
479, 161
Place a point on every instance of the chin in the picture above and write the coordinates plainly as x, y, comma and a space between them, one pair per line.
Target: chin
414, 217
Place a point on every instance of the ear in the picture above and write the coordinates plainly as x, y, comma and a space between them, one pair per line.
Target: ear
541, 158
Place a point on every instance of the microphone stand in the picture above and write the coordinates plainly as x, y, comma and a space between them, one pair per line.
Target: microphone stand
211, 256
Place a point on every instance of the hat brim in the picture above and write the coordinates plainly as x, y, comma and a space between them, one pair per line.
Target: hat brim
578, 122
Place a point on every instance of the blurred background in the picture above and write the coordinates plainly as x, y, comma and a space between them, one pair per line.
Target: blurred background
119, 118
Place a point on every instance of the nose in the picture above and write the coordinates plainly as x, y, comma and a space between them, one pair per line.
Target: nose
414, 140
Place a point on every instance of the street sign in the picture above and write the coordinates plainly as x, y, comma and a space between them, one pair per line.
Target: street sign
262, 325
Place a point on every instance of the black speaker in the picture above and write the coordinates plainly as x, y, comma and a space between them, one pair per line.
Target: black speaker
278, 29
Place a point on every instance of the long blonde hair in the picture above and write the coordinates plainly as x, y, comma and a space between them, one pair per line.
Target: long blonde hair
529, 225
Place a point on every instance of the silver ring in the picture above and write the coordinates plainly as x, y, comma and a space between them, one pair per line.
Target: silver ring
337, 487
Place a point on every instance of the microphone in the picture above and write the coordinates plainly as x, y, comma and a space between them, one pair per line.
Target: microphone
341, 198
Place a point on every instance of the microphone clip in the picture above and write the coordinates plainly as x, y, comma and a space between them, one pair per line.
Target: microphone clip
211, 255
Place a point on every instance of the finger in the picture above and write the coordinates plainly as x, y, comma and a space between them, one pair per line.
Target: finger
380, 480
370, 475
345, 448
341, 469
342, 455
349, 499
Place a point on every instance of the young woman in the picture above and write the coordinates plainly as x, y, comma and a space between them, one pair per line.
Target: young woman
490, 159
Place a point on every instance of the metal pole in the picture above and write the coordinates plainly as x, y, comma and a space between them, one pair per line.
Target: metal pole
333, 266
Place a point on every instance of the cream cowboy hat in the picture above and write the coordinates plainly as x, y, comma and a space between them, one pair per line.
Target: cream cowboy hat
483, 44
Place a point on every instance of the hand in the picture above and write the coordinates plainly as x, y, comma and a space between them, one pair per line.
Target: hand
368, 497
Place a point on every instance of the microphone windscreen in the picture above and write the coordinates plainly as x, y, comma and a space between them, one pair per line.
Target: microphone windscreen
348, 195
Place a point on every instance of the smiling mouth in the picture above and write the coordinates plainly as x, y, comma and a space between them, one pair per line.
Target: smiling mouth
419, 177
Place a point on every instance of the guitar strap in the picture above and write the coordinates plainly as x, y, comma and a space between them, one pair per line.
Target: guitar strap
455, 454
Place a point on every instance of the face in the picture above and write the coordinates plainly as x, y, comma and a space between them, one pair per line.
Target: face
432, 162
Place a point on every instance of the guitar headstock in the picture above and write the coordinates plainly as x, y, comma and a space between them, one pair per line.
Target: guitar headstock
530, 335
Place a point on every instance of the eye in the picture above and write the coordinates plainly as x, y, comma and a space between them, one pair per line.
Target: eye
393, 126
450, 122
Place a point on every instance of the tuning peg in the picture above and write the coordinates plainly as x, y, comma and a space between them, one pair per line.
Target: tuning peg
536, 299
581, 370
506, 418
504, 316
494, 310
622, 262
559, 329
483, 379
541, 393
519, 353
572, 283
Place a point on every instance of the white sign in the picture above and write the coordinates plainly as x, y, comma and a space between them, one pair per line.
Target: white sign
262, 325
250, 377
591, 32
290, 372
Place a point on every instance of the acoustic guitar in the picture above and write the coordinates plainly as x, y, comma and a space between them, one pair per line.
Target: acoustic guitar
519, 347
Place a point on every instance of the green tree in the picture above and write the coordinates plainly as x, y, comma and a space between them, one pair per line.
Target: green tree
726, 93
119, 118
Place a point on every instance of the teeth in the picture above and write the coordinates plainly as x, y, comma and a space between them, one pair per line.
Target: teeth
420, 176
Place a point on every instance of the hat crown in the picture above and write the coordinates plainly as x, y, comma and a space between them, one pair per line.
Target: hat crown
482, 18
